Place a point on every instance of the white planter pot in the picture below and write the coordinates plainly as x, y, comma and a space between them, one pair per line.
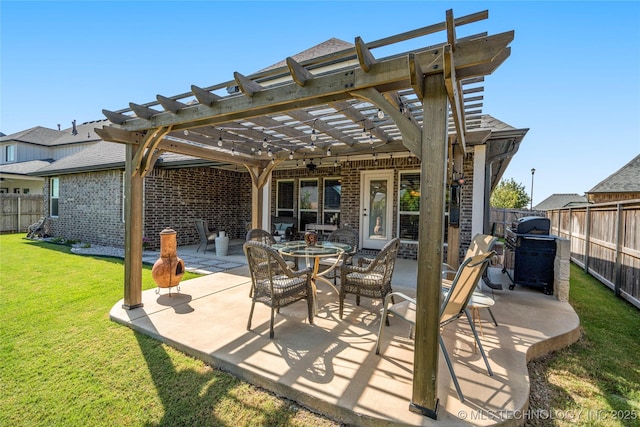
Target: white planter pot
222, 244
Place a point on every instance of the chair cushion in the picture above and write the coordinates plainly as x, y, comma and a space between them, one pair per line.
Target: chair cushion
366, 279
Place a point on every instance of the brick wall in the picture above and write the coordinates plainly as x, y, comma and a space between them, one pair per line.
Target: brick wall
90, 205
176, 197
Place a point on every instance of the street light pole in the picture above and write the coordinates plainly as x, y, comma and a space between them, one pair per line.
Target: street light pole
531, 205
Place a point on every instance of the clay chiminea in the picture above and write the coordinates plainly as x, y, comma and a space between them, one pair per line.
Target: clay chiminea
168, 269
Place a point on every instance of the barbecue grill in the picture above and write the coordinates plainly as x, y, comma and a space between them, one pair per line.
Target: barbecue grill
533, 251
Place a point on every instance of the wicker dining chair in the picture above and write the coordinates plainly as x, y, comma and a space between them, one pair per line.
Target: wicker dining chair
371, 278
346, 235
273, 283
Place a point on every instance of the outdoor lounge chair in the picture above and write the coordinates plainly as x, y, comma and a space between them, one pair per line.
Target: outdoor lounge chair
453, 307
480, 244
371, 278
207, 236
273, 283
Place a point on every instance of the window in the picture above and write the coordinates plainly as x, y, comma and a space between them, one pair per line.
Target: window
308, 203
409, 206
284, 198
54, 194
10, 153
331, 201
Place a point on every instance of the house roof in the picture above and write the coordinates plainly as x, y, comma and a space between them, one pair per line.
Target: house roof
23, 168
625, 180
43, 136
557, 201
325, 48
99, 156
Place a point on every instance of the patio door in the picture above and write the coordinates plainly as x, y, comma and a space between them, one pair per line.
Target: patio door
376, 209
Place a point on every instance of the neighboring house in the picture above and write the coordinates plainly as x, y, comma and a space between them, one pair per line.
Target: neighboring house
25, 152
557, 201
623, 184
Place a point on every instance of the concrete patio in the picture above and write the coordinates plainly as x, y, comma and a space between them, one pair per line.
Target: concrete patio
330, 366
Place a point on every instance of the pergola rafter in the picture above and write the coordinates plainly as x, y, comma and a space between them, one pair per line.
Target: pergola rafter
327, 101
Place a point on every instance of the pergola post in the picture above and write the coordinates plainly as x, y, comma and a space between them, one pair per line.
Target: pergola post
133, 185
430, 242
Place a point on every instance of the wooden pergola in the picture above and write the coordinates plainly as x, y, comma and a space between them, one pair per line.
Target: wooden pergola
425, 103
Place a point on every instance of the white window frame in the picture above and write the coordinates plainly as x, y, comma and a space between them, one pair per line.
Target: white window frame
324, 197
300, 209
400, 213
293, 198
53, 196
10, 153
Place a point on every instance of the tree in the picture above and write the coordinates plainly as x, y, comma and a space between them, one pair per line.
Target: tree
509, 194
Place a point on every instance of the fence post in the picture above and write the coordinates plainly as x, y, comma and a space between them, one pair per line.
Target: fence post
587, 237
18, 225
619, 238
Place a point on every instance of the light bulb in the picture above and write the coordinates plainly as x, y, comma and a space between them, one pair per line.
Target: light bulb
233, 151
335, 163
329, 151
304, 161
370, 139
313, 147
364, 133
259, 151
269, 153
290, 155
380, 114
264, 143
220, 142
313, 135
186, 132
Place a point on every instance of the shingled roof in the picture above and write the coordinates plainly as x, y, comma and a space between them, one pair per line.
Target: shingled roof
24, 168
625, 180
557, 201
47, 137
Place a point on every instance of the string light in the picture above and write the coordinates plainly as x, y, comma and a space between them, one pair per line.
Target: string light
186, 132
264, 143
380, 114
290, 155
313, 147
269, 153
220, 141
370, 139
364, 130
313, 131
259, 151
329, 151
335, 162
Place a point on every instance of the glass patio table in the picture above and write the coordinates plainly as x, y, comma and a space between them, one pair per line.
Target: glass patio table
313, 255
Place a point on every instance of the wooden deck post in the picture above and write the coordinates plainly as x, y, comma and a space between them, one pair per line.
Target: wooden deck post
132, 233
431, 238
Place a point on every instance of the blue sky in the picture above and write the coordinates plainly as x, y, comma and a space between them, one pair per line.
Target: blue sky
573, 77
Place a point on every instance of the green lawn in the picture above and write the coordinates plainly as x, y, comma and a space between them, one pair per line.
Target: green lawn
595, 381
64, 363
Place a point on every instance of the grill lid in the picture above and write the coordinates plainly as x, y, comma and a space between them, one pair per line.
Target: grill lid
531, 225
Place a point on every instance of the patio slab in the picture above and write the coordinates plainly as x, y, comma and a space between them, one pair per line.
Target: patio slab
330, 366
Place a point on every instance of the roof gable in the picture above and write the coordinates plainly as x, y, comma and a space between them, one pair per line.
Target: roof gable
625, 180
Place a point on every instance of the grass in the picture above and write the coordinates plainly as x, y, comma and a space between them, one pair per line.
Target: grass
64, 363
600, 374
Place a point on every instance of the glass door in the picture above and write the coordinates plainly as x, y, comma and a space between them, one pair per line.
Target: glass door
376, 208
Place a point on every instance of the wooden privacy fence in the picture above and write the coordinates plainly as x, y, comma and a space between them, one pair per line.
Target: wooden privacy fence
501, 219
605, 242
19, 211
